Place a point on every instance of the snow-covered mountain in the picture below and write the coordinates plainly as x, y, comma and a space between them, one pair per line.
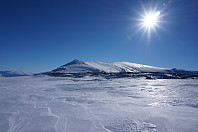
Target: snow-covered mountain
77, 66
13, 73
118, 69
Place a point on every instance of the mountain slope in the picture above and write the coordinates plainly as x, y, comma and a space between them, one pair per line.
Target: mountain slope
133, 67
180, 71
105, 67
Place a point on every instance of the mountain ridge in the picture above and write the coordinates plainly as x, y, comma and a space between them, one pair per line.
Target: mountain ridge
14, 73
119, 69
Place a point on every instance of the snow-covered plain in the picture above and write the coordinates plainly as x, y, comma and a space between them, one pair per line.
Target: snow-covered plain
49, 104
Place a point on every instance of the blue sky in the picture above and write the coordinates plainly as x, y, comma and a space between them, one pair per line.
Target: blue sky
40, 35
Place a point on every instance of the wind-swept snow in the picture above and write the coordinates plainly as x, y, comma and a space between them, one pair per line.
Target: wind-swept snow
58, 104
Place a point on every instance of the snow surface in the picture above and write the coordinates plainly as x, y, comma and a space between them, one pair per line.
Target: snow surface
49, 104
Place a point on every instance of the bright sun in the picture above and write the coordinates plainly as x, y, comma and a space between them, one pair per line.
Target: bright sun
151, 19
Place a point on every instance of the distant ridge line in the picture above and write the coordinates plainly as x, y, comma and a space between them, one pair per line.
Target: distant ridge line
119, 69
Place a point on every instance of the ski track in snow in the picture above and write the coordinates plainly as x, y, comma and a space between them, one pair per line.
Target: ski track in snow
29, 104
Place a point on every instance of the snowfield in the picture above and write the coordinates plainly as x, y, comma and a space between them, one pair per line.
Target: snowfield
96, 104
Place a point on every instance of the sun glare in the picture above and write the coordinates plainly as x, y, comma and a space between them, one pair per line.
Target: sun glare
151, 19
149, 22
